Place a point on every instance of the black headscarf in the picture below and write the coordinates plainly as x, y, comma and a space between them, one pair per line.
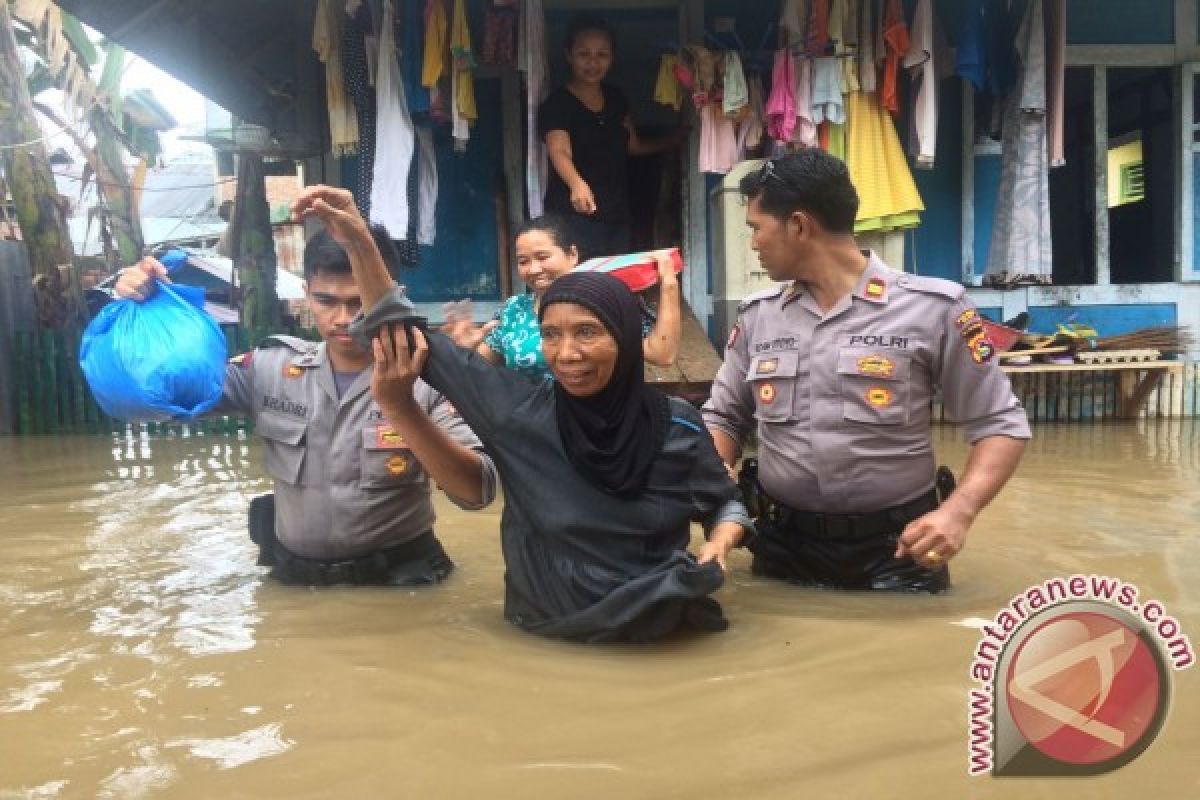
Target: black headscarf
614, 435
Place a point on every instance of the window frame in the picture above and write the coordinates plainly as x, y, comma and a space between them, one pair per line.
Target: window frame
1186, 268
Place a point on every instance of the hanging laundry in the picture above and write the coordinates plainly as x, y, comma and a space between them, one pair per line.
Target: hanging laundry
843, 15
834, 27
737, 94
371, 39
816, 43
1056, 43
888, 197
846, 12
666, 86
327, 42
355, 28
410, 20
781, 105
836, 143
805, 133
895, 36
920, 64
395, 137
718, 143
531, 58
433, 60
827, 95
986, 57
499, 37
867, 21
1021, 236
750, 130
793, 20
427, 191
702, 64
463, 112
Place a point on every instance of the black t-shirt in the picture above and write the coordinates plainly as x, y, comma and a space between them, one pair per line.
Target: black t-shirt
599, 145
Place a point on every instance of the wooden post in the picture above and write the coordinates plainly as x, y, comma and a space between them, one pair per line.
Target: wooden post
41, 216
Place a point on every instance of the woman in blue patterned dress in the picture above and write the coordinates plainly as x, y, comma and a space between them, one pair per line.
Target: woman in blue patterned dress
513, 337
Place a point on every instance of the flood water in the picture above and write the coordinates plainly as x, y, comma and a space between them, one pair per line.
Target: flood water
142, 654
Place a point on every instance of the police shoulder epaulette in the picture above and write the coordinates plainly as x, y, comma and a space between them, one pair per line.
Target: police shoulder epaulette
291, 342
765, 294
921, 283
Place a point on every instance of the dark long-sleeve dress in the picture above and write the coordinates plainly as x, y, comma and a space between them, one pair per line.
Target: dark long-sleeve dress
582, 563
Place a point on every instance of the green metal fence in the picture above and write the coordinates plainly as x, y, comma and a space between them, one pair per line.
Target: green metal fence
50, 394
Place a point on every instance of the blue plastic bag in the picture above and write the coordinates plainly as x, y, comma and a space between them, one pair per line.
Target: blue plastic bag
154, 361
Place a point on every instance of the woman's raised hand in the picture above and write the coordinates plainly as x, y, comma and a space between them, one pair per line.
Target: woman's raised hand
666, 265
461, 328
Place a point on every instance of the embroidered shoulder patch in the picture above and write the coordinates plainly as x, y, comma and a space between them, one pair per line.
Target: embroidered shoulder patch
978, 344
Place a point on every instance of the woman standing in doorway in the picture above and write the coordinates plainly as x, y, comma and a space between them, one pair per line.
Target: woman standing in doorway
589, 136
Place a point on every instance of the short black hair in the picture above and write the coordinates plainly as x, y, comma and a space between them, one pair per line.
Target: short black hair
323, 254
582, 23
811, 181
561, 232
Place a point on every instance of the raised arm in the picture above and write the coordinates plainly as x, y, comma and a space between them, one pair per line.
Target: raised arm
335, 208
661, 347
458, 469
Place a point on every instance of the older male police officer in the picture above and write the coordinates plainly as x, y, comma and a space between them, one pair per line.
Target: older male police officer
835, 370
352, 497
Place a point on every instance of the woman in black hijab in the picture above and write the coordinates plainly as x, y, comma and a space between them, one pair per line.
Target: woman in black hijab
602, 474
614, 434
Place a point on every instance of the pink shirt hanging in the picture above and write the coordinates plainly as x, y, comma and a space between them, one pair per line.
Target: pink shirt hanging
718, 142
781, 105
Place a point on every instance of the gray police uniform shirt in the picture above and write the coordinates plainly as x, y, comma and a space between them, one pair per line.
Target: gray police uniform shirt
346, 483
841, 400
580, 562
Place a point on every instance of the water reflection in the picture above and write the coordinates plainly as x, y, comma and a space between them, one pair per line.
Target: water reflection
142, 653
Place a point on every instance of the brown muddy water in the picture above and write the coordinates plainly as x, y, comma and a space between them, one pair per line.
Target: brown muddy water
142, 654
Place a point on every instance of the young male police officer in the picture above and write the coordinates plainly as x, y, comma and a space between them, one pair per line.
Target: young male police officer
352, 496
834, 370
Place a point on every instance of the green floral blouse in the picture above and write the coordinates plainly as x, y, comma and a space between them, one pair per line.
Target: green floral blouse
518, 337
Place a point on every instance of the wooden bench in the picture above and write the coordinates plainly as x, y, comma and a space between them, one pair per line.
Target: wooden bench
1136, 379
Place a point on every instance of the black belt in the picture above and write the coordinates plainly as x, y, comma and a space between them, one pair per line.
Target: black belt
875, 523
369, 568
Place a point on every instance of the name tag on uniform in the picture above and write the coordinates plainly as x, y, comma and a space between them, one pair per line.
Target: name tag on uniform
871, 339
